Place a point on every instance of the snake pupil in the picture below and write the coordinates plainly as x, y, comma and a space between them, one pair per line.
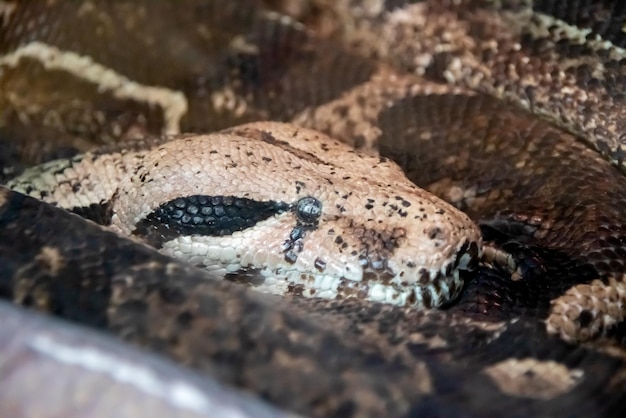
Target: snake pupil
308, 210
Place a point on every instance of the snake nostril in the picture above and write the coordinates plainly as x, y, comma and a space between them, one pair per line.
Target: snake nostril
435, 233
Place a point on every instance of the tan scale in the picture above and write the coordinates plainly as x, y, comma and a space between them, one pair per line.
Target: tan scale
404, 246
532, 378
603, 303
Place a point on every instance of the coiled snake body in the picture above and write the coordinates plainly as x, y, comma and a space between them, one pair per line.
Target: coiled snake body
486, 104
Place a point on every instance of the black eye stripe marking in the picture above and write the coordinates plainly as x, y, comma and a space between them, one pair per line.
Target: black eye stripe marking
204, 215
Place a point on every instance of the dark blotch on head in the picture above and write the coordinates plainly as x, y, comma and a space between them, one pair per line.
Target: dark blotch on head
435, 233
427, 299
320, 264
268, 137
291, 257
424, 276
411, 299
295, 289
585, 318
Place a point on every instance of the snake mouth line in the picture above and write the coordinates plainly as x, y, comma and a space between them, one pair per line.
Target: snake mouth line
432, 289
391, 282
415, 295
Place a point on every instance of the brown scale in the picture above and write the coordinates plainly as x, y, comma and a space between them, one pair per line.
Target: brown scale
548, 56
234, 64
304, 355
509, 169
533, 188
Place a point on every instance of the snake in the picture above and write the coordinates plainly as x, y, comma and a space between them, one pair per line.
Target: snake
322, 133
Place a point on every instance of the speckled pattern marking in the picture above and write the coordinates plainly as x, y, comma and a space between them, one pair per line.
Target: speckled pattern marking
562, 61
379, 238
498, 107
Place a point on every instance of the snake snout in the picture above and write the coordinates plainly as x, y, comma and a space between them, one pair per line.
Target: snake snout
406, 283
414, 260
333, 232
424, 269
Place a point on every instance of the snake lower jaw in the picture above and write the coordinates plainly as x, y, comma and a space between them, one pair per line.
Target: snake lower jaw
323, 286
415, 287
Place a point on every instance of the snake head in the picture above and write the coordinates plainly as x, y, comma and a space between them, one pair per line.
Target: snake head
290, 210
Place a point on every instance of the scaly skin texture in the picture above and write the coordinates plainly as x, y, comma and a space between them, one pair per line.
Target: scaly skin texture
95, 376
398, 362
567, 201
225, 65
378, 238
494, 351
563, 61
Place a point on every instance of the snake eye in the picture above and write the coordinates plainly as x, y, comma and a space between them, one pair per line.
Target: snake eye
308, 210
